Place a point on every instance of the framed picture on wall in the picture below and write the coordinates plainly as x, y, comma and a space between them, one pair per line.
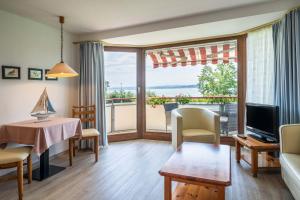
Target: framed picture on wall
11, 72
35, 74
49, 78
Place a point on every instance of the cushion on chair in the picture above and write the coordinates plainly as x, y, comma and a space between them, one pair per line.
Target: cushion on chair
198, 135
12, 155
90, 132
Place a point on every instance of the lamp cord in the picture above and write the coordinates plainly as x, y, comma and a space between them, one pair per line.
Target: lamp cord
61, 43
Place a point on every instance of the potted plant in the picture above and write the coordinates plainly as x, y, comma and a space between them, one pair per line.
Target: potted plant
183, 99
154, 101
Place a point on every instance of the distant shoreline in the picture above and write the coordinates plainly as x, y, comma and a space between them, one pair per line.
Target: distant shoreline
156, 87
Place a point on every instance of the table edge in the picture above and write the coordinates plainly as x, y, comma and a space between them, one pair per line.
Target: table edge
200, 180
268, 146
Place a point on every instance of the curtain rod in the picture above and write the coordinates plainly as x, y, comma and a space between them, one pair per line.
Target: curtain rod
270, 23
261, 26
91, 41
291, 9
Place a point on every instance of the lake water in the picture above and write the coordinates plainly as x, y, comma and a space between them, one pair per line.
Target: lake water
172, 92
168, 92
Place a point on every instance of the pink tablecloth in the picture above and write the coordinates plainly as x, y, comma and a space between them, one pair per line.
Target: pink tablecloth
41, 134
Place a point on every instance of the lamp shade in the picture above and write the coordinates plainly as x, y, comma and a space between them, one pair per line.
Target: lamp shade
61, 70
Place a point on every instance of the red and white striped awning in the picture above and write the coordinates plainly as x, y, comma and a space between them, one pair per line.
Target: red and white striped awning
213, 53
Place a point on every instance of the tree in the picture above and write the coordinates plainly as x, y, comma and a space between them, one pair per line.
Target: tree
218, 80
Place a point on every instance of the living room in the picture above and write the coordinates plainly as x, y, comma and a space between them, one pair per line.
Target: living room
150, 100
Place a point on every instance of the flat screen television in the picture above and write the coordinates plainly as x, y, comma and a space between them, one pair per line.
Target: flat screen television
262, 121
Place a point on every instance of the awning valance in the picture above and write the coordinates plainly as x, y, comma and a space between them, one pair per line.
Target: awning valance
213, 53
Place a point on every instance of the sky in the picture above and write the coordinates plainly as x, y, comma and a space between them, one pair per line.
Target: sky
120, 68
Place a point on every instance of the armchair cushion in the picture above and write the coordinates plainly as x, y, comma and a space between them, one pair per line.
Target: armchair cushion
197, 135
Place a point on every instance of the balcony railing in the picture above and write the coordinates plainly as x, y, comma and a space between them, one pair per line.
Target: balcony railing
121, 113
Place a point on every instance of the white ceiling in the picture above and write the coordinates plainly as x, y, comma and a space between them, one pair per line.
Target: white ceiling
144, 22
83, 16
213, 29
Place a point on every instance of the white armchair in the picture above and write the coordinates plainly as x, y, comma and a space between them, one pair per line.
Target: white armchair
290, 157
195, 125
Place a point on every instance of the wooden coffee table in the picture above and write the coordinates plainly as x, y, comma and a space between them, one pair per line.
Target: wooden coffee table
198, 164
255, 148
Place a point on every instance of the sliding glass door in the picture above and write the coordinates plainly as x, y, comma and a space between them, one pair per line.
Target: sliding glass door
121, 93
143, 85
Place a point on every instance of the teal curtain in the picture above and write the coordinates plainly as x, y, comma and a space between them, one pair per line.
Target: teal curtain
286, 40
92, 90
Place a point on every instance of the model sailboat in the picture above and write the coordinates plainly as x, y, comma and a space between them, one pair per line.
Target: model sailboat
43, 107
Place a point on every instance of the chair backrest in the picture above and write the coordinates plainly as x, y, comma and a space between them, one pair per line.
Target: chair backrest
86, 114
168, 109
231, 113
170, 106
230, 107
195, 118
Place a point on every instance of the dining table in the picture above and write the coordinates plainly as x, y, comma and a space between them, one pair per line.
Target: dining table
42, 135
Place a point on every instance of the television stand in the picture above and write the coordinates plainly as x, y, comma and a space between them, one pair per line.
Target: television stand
261, 139
256, 160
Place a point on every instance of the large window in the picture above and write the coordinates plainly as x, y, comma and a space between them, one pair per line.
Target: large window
200, 75
194, 76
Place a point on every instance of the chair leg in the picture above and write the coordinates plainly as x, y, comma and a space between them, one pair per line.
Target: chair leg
29, 168
71, 152
96, 148
20, 179
79, 145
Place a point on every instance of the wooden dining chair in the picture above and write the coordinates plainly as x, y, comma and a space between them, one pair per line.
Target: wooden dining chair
87, 115
14, 157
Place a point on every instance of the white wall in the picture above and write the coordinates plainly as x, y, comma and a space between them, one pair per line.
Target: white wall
27, 43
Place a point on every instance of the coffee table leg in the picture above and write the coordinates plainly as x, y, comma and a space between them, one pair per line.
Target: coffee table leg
168, 188
237, 151
254, 162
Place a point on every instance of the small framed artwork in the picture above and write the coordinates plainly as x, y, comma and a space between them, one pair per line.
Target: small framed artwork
49, 78
35, 74
10, 72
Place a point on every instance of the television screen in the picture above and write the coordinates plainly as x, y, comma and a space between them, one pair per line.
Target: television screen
263, 118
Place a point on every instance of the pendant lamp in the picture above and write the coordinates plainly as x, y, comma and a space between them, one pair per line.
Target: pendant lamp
61, 69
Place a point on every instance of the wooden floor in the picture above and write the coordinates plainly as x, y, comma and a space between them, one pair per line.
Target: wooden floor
129, 170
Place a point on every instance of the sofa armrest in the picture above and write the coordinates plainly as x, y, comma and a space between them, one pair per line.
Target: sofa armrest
176, 122
290, 138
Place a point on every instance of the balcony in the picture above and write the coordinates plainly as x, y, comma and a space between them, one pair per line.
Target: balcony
121, 113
